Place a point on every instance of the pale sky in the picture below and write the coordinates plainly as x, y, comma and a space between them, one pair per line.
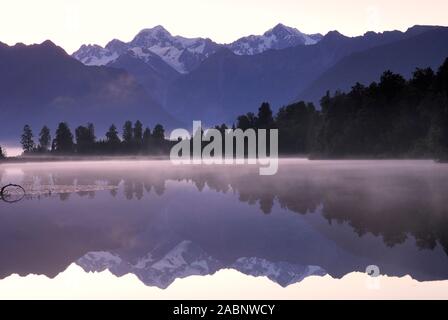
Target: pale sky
70, 23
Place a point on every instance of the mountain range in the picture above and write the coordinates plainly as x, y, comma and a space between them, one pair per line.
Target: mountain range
158, 77
420, 47
185, 54
188, 259
281, 66
156, 58
226, 85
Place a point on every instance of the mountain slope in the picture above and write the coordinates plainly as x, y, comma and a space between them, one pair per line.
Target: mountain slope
179, 55
148, 69
154, 57
427, 49
41, 84
187, 259
184, 260
279, 37
95, 55
185, 54
182, 54
226, 85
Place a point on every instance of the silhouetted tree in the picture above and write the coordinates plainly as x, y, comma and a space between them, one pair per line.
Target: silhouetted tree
138, 133
63, 142
247, 121
146, 139
127, 132
158, 140
85, 138
112, 138
158, 133
222, 128
265, 119
44, 139
391, 84
297, 125
422, 80
2, 153
91, 128
27, 141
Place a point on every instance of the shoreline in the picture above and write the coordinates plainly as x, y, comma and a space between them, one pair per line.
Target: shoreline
78, 158
161, 158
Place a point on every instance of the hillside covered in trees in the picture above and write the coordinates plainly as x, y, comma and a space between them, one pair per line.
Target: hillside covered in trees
392, 118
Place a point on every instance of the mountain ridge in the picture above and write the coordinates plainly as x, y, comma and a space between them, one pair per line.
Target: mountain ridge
185, 54
187, 259
43, 85
402, 56
227, 85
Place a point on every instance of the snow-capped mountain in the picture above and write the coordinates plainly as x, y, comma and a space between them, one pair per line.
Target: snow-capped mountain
188, 259
184, 260
182, 54
185, 54
283, 273
95, 55
279, 37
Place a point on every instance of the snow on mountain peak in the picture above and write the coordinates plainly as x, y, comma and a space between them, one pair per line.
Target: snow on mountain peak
117, 46
186, 259
182, 54
279, 37
280, 30
283, 273
95, 55
183, 260
150, 37
185, 54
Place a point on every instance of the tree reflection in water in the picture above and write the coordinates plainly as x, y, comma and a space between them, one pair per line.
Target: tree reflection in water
387, 200
139, 211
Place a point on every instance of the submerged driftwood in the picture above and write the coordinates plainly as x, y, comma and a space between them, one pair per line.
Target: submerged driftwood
13, 192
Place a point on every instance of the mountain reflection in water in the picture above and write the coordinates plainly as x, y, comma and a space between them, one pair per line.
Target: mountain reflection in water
162, 222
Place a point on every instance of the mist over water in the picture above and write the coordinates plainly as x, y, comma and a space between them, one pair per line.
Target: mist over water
11, 150
163, 222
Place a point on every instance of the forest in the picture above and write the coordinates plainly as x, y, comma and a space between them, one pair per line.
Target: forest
392, 118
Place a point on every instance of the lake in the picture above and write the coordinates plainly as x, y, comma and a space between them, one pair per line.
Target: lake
161, 227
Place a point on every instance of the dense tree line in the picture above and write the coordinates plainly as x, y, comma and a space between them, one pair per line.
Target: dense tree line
134, 140
297, 125
394, 117
391, 118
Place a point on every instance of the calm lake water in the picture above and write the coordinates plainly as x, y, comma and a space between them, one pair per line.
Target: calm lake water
161, 222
